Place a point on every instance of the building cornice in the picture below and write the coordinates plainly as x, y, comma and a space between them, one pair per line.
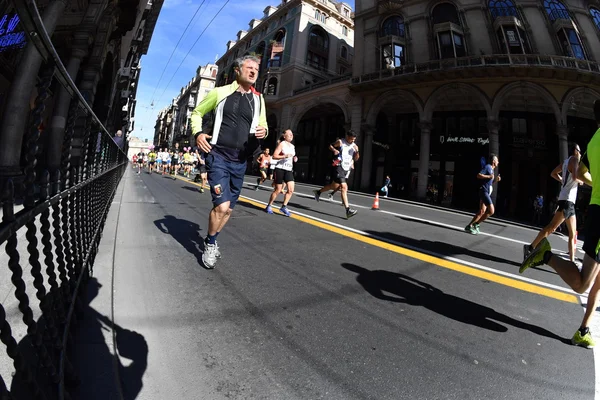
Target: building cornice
275, 16
334, 12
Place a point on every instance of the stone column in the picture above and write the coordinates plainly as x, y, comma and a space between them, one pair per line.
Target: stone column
19, 93
493, 128
562, 131
424, 149
366, 156
56, 129
355, 125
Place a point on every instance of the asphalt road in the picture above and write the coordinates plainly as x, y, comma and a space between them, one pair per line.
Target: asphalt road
392, 304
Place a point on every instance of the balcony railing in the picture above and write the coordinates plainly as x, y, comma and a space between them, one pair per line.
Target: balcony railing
503, 12
529, 60
322, 84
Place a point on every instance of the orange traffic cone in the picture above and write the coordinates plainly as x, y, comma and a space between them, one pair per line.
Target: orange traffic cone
376, 202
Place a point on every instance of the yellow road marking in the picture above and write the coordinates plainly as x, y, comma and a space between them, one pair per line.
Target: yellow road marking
502, 280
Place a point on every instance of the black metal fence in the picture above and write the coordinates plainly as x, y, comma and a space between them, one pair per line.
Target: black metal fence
51, 236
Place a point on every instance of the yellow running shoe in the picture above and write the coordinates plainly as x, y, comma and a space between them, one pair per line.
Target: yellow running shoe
536, 257
584, 341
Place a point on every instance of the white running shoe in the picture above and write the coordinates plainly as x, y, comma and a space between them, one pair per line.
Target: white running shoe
209, 257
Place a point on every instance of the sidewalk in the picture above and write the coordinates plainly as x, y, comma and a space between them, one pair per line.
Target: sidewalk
94, 351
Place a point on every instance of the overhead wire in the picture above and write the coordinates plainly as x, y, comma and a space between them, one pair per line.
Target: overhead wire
174, 50
191, 48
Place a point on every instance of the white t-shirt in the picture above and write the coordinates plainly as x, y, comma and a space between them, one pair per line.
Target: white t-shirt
287, 163
346, 155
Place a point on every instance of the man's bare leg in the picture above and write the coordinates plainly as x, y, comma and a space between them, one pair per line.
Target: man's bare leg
572, 228
569, 272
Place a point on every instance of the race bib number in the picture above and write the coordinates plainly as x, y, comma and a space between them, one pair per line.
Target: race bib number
346, 165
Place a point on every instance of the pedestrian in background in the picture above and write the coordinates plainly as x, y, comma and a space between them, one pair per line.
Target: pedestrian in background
386, 185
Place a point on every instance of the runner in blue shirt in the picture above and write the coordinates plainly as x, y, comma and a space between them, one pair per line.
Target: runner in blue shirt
486, 205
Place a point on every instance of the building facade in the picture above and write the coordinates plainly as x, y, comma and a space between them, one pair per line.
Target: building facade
438, 85
302, 45
188, 99
100, 43
165, 126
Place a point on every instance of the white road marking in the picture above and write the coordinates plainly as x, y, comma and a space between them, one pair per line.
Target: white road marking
434, 254
414, 204
410, 217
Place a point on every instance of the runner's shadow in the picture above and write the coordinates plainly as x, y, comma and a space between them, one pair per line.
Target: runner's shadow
185, 232
301, 207
446, 249
398, 288
191, 188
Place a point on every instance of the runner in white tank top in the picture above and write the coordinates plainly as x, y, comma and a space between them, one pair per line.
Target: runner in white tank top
568, 192
346, 152
285, 155
565, 173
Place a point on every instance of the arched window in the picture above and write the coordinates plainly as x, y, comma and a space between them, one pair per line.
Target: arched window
344, 53
568, 37
318, 48
392, 26
318, 38
570, 43
450, 43
445, 12
317, 15
511, 37
556, 10
595, 16
502, 8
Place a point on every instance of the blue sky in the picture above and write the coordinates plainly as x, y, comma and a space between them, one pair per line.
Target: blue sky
172, 21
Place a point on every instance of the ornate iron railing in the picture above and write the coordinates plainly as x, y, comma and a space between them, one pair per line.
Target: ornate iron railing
62, 218
527, 60
322, 84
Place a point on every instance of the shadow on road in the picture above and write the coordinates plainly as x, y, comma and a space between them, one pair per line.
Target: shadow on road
185, 232
398, 288
443, 248
301, 207
191, 188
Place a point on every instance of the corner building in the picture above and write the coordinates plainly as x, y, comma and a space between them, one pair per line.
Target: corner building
438, 85
306, 52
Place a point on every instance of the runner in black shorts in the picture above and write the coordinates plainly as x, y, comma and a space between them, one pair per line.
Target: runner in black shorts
264, 161
202, 170
580, 281
140, 161
566, 174
285, 154
175, 157
346, 153
486, 206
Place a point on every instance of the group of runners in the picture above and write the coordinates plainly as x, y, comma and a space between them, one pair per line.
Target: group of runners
280, 168
572, 172
172, 162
